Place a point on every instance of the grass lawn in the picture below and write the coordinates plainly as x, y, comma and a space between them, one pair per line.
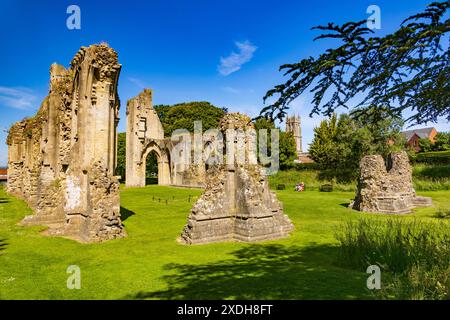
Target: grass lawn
149, 263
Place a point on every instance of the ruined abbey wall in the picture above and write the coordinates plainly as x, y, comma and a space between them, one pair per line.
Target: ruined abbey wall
387, 187
145, 134
144, 127
62, 160
237, 203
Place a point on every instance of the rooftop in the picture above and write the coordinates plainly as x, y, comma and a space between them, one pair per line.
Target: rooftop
422, 133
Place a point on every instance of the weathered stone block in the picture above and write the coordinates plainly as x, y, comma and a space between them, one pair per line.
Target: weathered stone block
387, 188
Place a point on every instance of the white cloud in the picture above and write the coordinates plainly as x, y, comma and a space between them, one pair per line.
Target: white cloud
17, 98
137, 82
234, 61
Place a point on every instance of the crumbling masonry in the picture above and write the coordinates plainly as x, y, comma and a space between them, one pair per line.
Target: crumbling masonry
237, 203
62, 160
387, 189
145, 134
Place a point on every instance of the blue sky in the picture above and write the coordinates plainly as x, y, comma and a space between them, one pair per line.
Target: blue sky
225, 52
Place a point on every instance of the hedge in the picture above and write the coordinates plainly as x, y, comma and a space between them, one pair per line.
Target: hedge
435, 157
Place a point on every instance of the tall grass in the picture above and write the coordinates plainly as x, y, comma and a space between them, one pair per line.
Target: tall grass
431, 177
431, 171
414, 254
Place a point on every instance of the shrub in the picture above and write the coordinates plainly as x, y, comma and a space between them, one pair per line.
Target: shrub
326, 188
442, 213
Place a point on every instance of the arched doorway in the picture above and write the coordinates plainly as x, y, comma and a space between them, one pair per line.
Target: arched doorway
151, 168
154, 167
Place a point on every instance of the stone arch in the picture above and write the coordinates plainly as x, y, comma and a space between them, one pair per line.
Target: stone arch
163, 158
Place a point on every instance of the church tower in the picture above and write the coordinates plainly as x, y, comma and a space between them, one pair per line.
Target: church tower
293, 124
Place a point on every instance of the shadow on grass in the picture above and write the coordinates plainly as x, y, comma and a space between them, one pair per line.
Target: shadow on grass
345, 205
4, 200
263, 272
3, 245
125, 213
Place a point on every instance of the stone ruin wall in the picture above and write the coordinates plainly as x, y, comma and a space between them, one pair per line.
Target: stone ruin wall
143, 129
237, 203
145, 134
62, 160
387, 187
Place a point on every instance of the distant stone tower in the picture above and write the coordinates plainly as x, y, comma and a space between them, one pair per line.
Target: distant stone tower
293, 124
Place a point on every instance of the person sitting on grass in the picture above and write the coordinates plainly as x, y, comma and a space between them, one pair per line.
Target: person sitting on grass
300, 187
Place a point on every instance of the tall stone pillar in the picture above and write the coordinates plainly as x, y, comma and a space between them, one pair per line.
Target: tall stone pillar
68, 150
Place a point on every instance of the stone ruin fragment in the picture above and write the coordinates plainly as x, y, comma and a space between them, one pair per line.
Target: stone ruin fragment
237, 203
62, 160
387, 188
145, 134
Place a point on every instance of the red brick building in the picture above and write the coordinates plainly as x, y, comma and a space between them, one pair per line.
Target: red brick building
412, 137
3, 175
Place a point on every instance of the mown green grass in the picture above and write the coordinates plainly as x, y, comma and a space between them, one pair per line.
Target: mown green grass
149, 263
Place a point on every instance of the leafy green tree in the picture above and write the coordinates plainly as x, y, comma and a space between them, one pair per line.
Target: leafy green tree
441, 142
321, 149
288, 150
151, 165
340, 143
408, 69
183, 115
121, 156
384, 127
287, 146
425, 145
263, 123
